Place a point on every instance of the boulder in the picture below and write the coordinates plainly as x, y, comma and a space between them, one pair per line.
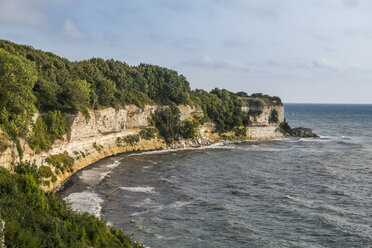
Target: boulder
303, 132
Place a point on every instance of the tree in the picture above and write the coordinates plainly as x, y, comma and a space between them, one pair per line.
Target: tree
17, 79
75, 95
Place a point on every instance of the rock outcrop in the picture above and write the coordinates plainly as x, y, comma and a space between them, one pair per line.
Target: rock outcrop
302, 132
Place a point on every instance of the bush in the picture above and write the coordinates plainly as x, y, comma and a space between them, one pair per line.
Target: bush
167, 122
128, 140
97, 147
47, 128
45, 172
62, 162
284, 128
147, 134
188, 129
240, 132
34, 218
274, 116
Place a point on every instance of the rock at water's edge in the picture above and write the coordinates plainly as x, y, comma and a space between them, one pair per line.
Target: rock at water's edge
303, 132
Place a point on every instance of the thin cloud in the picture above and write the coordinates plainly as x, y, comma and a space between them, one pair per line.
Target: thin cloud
208, 62
325, 63
332, 65
22, 12
72, 31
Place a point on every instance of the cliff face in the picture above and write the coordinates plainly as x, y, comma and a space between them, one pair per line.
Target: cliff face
92, 139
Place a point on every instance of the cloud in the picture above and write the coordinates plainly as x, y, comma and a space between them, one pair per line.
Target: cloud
260, 8
332, 65
22, 12
208, 62
328, 64
351, 3
71, 31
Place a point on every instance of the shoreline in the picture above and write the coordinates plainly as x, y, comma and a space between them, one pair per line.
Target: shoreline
68, 182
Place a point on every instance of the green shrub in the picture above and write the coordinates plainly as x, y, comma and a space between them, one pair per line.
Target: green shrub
34, 218
284, 128
274, 116
167, 122
97, 147
26, 168
188, 129
47, 128
240, 132
147, 134
45, 172
62, 162
128, 140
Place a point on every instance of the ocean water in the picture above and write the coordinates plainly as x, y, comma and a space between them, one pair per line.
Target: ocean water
280, 193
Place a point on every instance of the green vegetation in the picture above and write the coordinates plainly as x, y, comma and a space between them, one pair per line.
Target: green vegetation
147, 134
33, 80
128, 140
17, 79
284, 128
34, 218
240, 132
274, 116
47, 128
167, 122
97, 147
223, 108
62, 162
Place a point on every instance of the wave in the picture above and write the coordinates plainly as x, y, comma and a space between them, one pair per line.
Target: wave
149, 206
217, 145
85, 202
149, 190
97, 174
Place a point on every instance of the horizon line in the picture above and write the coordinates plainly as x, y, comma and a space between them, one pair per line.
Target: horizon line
327, 103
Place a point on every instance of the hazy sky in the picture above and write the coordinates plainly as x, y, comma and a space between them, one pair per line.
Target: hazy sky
300, 50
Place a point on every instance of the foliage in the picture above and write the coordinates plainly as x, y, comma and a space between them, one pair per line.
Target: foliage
17, 79
97, 147
34, 218
38, 173
62, 162
4, 141
240, 132
167, 122
147, 134
274, 116
188, 129
129, 140
30, 77
284, 128
47, 128
45, 172
222, 107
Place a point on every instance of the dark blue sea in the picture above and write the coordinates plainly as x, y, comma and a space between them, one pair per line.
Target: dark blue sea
314, 192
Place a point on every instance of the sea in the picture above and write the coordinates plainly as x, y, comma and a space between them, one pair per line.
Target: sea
290, 192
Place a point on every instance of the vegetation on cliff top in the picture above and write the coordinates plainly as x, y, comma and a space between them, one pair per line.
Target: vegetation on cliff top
32, 80
34, 218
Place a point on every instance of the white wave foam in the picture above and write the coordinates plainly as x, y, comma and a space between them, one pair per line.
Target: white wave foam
97, 174
86, 202
149, 190
114, 165
218, 145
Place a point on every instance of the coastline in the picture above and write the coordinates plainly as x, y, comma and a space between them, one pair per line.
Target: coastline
68, 182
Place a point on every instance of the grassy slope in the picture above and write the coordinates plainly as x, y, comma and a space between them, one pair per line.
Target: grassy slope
34, 218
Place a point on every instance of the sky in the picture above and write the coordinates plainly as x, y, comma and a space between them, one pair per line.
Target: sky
309, 51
